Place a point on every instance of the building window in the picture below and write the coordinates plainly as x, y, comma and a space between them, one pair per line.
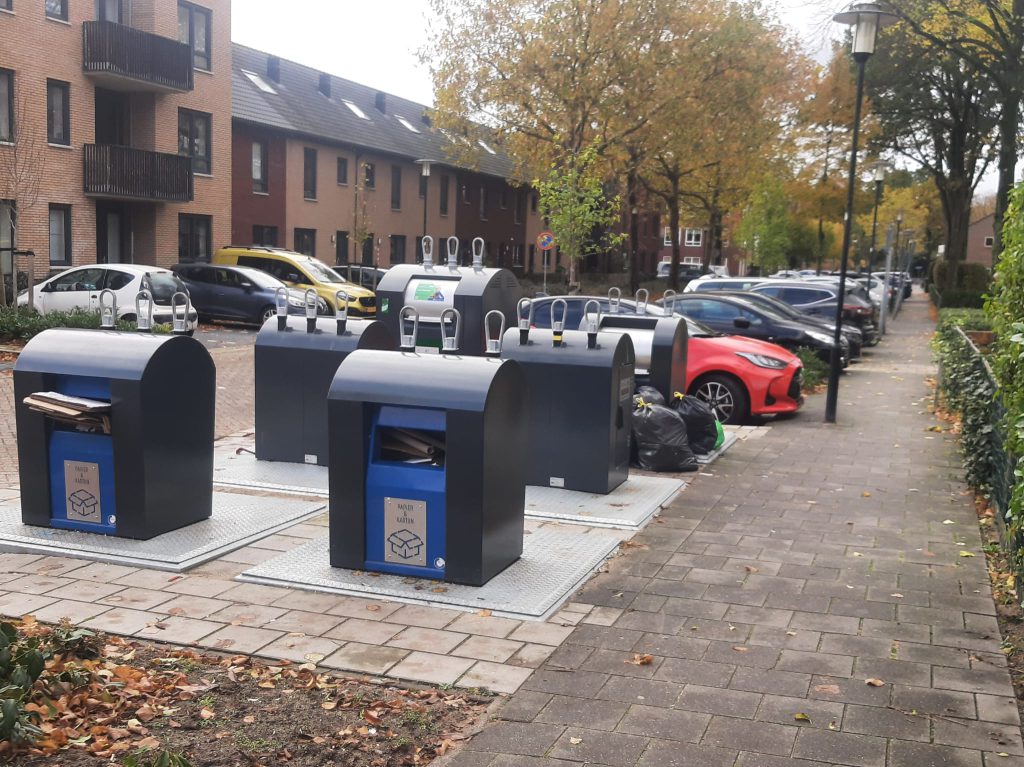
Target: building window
369, 175
305, 241
445, 183
55, 9
396, 187
60, 234
692, 238
341, 248
194, 139
517, 255
259, 167
398, 249
195, 238
6, 5
194, 29
483, 202
423, 186
520, 204
264, 235
343, 171
108, 10
58, 113
989, 241
465, 195
6, 105
309, 173
666, 237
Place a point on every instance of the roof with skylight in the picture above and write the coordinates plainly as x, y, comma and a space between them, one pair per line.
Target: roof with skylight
355, 109
259, 82
407, 124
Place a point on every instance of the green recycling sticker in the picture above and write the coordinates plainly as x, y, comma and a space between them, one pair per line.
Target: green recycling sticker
428, 291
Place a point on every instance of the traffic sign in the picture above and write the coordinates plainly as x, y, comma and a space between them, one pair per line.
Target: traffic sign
545, 240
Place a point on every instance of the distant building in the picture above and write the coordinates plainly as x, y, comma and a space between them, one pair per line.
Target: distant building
980, 238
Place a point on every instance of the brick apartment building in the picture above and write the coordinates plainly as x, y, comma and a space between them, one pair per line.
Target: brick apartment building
120, 106
332, 168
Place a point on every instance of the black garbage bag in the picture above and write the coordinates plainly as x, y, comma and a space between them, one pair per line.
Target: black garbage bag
659, 434
650, 395
701, 423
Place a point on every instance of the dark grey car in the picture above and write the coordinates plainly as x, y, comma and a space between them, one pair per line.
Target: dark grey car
238, 293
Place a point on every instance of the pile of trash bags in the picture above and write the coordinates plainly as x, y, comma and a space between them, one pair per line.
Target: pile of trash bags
667, 436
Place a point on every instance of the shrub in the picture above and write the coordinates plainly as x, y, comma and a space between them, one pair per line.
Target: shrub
20, 323
815, 371
960, 298
970, 278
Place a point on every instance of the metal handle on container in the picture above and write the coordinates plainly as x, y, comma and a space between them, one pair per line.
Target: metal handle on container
312, 305
341, 299
453, 252
558, 326
144, 322
524, 322
494, 344
450, 343
428, 252
478, 253
641, 303
179, 325
281, 298
614, 298
593, 323
408, 340
108, 311
668, 302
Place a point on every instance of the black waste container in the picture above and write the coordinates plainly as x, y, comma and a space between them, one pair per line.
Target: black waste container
131, 453
580, 403
295, 362
427, 465
431, 289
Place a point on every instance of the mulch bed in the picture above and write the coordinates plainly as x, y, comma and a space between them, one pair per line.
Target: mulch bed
136, 699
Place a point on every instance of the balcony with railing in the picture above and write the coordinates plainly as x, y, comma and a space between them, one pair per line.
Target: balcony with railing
125, 58
126, 173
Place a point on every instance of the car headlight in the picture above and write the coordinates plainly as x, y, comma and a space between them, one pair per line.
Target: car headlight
763, 360
296, 301
821, 338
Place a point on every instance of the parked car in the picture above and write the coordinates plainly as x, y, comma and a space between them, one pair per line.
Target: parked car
80, 287
852, 334
712, 283
785, 274
302, 272
367, 276
739, 377
687, 271
238, 293
732, 314
819, 299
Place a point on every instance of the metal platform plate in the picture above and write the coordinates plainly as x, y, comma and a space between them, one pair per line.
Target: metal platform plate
629, 506
237, 520
556, 560
730, 438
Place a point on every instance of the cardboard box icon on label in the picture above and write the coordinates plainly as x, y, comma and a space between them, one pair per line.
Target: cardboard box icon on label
82, 484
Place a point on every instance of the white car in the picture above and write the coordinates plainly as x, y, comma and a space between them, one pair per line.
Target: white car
80, 287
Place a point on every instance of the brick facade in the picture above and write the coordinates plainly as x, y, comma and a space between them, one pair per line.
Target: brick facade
37, 48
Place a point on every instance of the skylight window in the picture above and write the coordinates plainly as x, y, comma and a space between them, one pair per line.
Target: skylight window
259, 82
486, 148
355, 110
407, 124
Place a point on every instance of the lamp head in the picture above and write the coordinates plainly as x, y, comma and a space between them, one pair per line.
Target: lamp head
866, 19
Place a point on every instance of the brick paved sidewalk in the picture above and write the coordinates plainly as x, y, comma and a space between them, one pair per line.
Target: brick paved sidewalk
814, 559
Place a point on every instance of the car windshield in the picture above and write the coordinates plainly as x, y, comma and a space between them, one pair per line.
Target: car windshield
163, 285
695, 329
321, 272
260, 279
768, 311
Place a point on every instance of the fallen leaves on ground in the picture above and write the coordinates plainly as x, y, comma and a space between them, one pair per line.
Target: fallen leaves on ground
874, 682
641, 659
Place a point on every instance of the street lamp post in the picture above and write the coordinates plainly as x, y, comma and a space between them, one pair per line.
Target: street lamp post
425, 174
888, 268
866, 19
879, 180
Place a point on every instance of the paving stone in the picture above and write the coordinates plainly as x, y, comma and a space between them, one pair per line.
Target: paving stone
597, 747
784, 638
541, 633
983, 736
642, 691
854, 690
582, 683
239, 639
193, 607
840, 748
583, 712
518, 760
483, 625
523, 706
76, 612
247, 615
300, 649
887, 723
609, 637
137, 598
122, 621
663, 753
199, 587
364, 658
994, 708
786, 683
984, 679
300, 622
747, 759
906, 754
517, 738
427, 640
742, 654
893, 671
253, 594
820, 622
99, 571
658, 622
603, 616
54, 566
714, 700
531, 655
695, 672
664, 723
424, 617
745, 735
487, 649
37, 584
783, 710
870, 647
431, 668
178, 630
85, 591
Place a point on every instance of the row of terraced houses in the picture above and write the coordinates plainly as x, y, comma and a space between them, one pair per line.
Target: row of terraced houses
136, 131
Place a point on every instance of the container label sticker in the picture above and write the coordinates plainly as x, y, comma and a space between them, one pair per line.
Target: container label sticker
626, 387
428, 291
556, 481
82, 489
405, 531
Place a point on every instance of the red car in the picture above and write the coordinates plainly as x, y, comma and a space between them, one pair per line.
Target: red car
739, 377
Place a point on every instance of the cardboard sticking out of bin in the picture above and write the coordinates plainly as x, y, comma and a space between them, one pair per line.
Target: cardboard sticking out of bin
83, 413
237, 521
628, 507
556, 559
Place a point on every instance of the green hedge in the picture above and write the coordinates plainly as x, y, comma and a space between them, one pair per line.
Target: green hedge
20, 323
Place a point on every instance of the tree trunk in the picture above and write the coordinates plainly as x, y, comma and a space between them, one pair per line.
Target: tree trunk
1008, 128
956, 195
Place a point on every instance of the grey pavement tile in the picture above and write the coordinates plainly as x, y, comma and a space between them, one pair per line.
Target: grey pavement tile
664, 723
663, 753
983, 736
746, 735
523, 706
854, 690
594, 746
815, 663
431, 668
786, 683
887, 722
643, 691
517, 738
696, 672
906, 754
995, 708
841, 748
585, 683
715, 700
583, 712
364, 658
784, 710
496, 677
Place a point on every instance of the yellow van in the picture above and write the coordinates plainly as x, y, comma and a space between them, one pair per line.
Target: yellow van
302, 272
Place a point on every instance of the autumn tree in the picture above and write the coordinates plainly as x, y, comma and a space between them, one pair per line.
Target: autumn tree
938, 111
766, 230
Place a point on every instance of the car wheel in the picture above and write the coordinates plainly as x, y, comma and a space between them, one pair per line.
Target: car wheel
725, 395
265, 314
